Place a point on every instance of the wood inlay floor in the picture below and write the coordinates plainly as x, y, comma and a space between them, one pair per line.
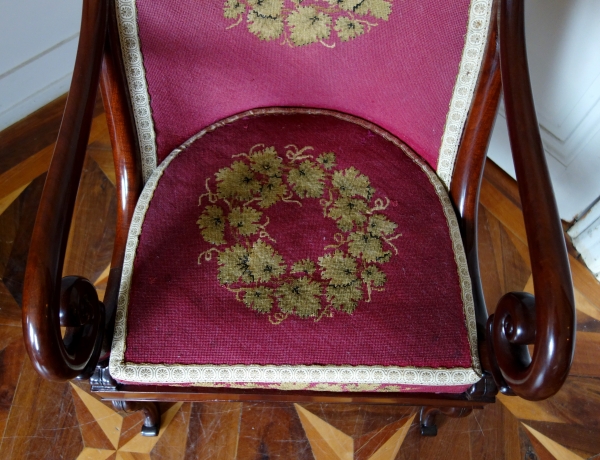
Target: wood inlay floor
44, 420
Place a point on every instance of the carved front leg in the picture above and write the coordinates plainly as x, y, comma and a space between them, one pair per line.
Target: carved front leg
151, 414
101, 380
428, 415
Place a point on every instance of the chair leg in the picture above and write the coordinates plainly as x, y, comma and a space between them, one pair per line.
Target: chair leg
428, 415
151, 414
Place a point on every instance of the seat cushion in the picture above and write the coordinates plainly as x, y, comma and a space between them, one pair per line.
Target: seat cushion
296, 249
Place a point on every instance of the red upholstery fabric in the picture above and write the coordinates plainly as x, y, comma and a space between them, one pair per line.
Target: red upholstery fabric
181, 312
400, 73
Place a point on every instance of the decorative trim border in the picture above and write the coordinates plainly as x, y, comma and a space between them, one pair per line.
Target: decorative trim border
294, 377
138, 87
464, 88
339, 387
257, 374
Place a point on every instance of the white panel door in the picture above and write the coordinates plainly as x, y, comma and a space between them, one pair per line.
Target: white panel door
563, 44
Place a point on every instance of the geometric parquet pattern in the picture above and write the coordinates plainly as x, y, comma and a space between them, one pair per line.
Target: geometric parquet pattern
45, 420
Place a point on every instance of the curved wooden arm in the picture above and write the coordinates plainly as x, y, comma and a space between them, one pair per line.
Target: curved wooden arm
48, 301
548, 320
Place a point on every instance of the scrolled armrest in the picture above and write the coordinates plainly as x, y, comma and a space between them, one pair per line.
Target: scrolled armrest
83, 316
48, 300
548, 320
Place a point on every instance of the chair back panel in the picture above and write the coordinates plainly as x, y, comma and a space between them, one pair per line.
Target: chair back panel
399, 64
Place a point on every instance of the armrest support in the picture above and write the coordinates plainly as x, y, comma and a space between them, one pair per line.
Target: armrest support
127, 161
548, 320
470, 161
48, 301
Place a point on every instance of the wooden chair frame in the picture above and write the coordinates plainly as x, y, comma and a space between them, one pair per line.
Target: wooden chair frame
546, 321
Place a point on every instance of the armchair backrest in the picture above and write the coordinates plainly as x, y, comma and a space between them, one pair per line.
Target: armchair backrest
408, 66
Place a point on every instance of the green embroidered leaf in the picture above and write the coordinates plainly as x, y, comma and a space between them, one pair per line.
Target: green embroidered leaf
347, 5
350, 182
265, 27
308, 25
338, 268
307, 180
301, 296
264, 262
259, 299
344, 298
238, 181
377, 8
212, 225
347, 212
271, 192
244, 220
266, 162
380, 225
372, 274
267, 7
365, 246
233, 265
304, 266
348, 29
327, 160
233, 9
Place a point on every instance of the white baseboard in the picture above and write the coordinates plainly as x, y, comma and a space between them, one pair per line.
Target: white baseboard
586, 238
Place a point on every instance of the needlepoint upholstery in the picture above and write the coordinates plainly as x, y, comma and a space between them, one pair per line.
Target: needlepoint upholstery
296, 249
408, 66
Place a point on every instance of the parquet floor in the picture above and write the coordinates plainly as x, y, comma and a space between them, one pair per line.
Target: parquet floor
43, 420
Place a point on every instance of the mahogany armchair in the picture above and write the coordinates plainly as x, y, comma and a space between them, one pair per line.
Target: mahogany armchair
297, 214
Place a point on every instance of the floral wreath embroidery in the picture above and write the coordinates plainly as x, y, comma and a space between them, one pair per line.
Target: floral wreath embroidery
302, 22
348, 272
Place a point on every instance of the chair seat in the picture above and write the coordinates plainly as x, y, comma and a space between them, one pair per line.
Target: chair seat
296, 249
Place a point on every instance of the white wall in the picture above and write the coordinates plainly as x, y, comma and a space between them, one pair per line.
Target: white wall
563, 44
38, 41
